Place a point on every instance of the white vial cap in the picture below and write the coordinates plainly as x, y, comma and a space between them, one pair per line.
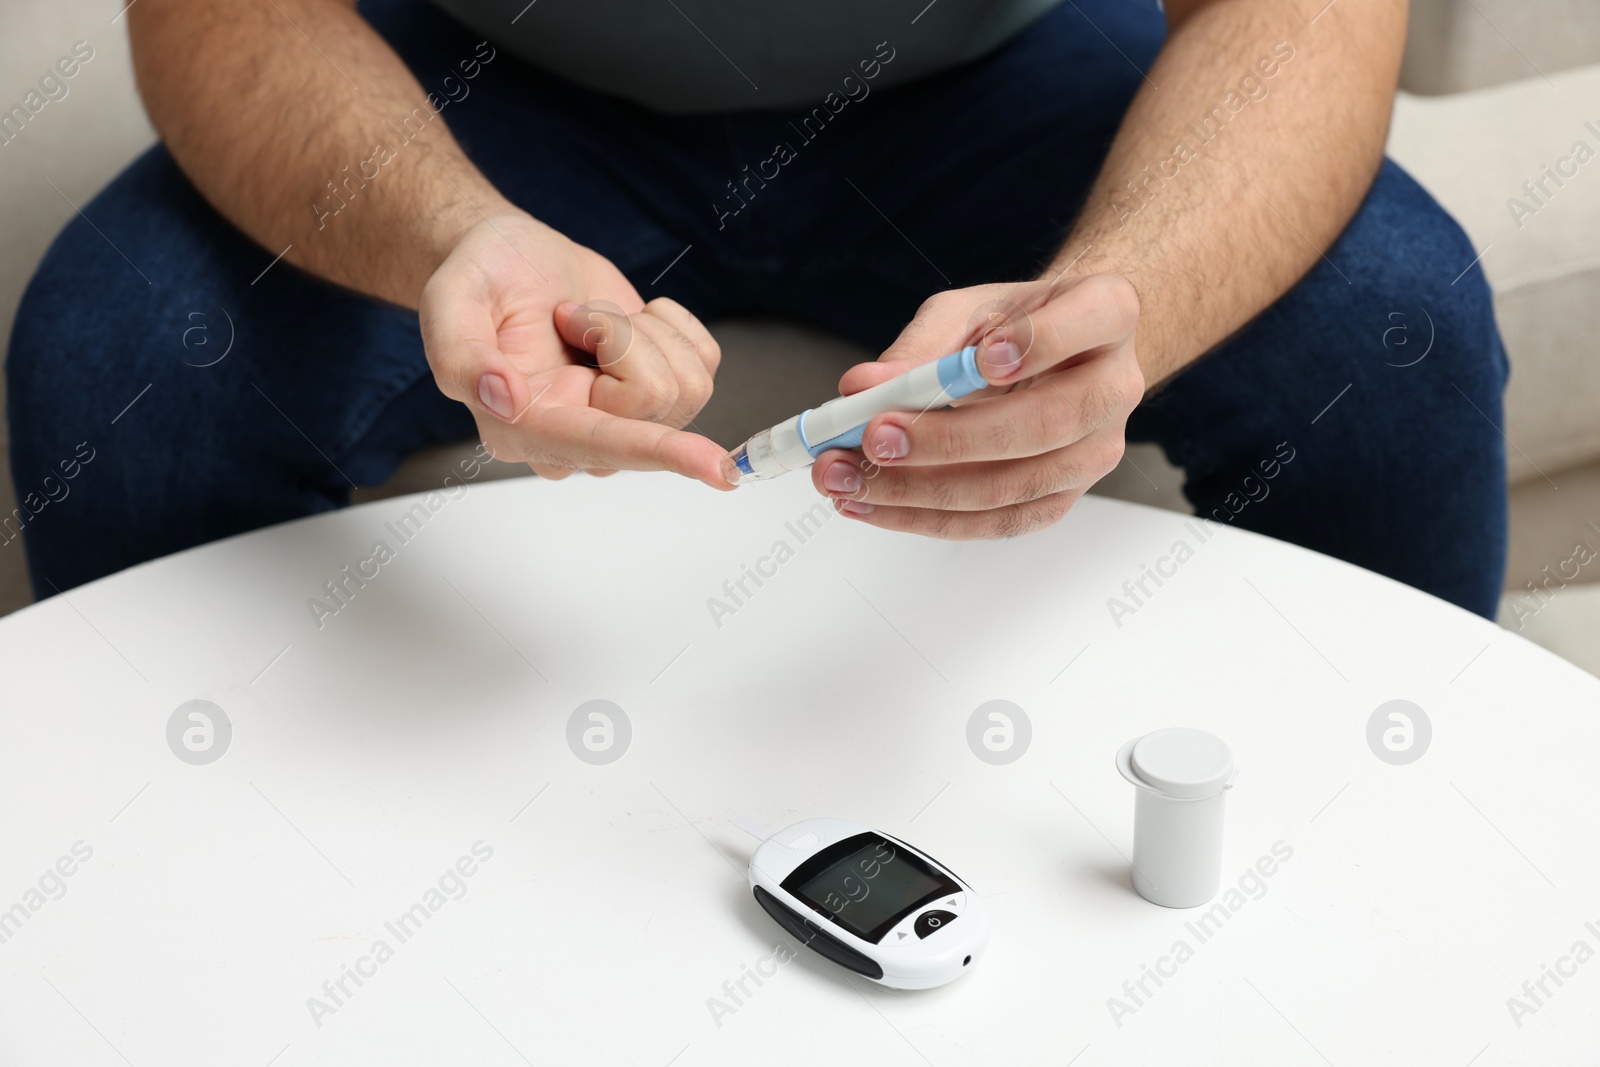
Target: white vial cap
1178, 762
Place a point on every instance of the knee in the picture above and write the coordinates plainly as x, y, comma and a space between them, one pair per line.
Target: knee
52, 341
95, 348
104, 312
75, 353
1417, 294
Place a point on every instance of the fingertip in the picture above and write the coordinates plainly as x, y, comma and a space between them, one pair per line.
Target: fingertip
576, 324
999, 358
701, 459
898, 419
714, 468
887, 438
816, 469
717, 481
562, 316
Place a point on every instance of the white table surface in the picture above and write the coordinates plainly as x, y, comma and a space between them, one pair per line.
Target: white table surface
370, 754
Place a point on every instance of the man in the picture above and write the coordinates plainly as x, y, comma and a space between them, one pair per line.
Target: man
1167, 226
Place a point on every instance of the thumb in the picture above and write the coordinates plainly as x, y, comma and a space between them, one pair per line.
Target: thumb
928, 336
461, 339
866, 375
917, 343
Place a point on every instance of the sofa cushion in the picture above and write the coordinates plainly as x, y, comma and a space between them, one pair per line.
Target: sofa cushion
1456, 45
1484, 155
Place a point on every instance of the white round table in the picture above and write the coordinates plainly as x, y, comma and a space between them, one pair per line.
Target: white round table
400, 857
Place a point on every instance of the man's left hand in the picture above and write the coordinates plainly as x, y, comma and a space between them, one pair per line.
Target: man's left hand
1014, 457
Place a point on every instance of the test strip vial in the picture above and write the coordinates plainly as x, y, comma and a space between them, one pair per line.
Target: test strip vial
1181, 779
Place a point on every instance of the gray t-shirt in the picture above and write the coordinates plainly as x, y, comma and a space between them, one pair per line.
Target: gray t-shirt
744, 55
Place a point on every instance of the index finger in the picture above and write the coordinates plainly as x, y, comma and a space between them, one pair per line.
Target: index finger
584, 437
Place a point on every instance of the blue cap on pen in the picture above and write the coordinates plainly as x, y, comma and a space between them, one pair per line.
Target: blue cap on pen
959, 374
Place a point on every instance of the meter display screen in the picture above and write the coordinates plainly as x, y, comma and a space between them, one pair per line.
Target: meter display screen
867, 884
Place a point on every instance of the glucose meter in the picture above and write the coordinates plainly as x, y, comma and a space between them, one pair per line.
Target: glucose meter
871, 903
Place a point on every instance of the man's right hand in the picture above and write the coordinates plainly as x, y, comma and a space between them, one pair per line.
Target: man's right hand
562, 364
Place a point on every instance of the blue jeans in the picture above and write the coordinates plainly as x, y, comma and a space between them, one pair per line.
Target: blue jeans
969, 176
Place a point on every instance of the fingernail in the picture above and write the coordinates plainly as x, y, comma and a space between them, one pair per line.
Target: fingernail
856, 507
730, 470
889, 442
495, 394
1001, 357
841, 477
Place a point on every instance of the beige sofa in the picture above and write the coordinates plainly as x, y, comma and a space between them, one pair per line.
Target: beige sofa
1494, 90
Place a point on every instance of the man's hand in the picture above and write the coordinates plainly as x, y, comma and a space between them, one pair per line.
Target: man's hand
562, 364
1059, 357
560, 361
